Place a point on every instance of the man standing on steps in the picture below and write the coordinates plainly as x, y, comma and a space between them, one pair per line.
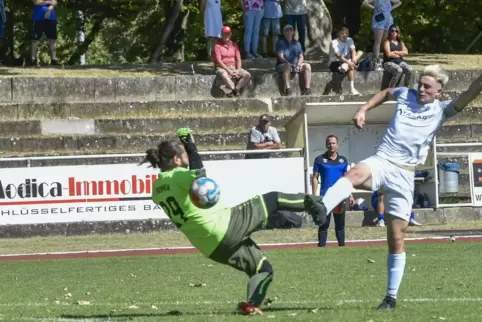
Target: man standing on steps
327, 169
44, 22
418, 117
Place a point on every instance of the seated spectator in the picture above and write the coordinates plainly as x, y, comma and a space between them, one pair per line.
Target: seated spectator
227, 59
262, 137
290, 60
343, 58
394, 49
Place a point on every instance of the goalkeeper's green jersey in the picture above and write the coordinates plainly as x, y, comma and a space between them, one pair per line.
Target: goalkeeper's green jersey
205, 228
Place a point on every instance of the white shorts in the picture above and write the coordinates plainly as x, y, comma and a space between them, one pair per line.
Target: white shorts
396, 184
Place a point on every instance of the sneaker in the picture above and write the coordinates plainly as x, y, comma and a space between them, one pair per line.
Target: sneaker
316, 209
249, 309
249, 56
389, 303
354, 92
288, 92
54, 62
307, 91
413, 222
381, 223
185, 135
257, 56
33, 63
236, 92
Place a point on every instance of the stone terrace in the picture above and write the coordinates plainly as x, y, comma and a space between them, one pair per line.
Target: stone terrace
127, 109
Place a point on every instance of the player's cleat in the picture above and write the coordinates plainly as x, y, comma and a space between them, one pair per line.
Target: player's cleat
389, 303
249, 309
185, 135
315, 207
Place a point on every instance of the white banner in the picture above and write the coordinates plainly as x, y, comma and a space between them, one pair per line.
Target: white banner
123, 191
475, 174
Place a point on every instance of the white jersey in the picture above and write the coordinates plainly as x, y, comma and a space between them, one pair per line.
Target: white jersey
409, 135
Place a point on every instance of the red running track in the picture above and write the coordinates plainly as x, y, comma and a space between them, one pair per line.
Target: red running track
189, 250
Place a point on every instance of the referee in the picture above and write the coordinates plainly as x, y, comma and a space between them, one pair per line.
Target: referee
327, 169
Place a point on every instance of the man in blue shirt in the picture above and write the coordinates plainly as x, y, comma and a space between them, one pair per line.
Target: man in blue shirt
327, 169
44, 22
291, 60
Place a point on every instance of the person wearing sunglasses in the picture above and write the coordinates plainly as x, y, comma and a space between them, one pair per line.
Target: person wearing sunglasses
395, 50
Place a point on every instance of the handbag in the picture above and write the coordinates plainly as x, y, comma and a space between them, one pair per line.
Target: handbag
379, 17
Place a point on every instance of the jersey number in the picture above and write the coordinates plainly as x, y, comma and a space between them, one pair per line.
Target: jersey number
173, 211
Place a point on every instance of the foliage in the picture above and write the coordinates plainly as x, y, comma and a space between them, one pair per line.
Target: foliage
127, 31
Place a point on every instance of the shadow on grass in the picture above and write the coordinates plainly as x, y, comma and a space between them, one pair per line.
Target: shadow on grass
130, 316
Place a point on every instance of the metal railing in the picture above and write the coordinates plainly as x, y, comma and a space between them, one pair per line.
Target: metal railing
458, 154
28, 160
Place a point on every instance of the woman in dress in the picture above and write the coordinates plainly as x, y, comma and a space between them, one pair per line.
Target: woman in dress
213, 22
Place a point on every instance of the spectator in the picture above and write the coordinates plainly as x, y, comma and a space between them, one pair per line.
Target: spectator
379, 206
3, 21
263, 137
347, 13
290, 60
394, 49
296, 13
327, 169
381, 21
228, 62
344, 58
253, 14
44, 22
271, 20
213, 22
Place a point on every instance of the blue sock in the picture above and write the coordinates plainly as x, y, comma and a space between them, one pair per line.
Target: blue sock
412, 216
396, 267
381, 217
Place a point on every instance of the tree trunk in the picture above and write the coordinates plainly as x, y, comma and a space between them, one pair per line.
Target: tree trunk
176, 40
82, 48
167, 28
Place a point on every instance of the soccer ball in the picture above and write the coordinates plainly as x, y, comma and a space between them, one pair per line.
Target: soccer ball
204, 193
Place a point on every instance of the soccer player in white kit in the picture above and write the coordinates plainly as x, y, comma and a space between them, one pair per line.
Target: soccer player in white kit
405, 144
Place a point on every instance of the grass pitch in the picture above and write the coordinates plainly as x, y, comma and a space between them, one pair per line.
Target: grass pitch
442, 282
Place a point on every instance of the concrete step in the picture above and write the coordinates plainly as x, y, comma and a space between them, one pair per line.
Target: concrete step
85, 89
119, 142
172, 108
135, 126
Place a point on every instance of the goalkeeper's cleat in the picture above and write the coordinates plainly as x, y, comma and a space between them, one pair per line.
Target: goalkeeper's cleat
185, 135
249, 309
316, 208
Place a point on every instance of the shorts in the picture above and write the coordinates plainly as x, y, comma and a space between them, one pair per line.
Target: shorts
396, 184
237, 249
279, 68
47, 27
384, 24
275, 27
338, 67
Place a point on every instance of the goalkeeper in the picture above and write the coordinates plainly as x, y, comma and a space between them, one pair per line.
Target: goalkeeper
220, 233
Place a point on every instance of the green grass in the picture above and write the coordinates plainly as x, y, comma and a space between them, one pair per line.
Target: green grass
309, 285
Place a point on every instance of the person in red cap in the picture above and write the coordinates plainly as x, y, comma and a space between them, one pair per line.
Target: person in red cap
213, 22
227, 60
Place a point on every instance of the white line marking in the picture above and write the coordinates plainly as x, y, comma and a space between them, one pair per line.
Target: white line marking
126, 250
184, 303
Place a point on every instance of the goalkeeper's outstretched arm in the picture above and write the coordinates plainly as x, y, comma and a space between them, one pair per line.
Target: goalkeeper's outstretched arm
195, 160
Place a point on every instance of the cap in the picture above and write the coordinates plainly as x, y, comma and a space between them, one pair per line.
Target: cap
265, 118
288, 27
226, 30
